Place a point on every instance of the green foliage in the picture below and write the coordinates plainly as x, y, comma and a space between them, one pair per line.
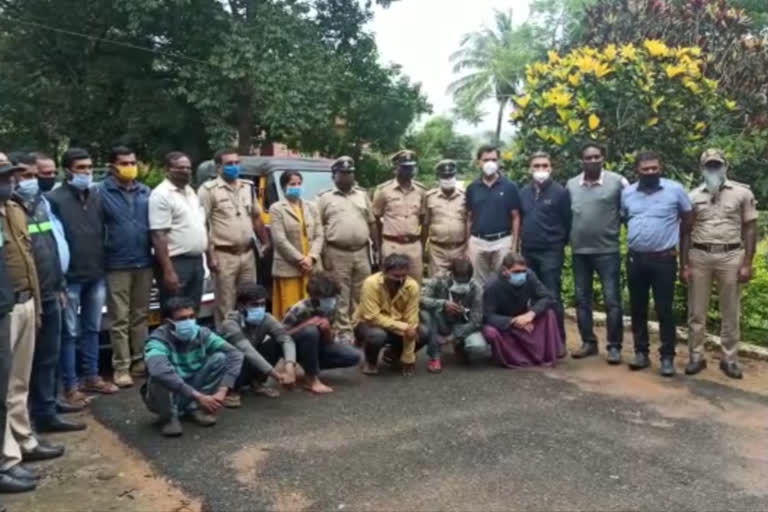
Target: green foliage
437, 140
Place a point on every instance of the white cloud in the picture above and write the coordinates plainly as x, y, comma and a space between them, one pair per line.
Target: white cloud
420, 35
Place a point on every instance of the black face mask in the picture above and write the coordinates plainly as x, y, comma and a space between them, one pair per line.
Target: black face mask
406, 172
396, 284
46, 183
592, 169
649, 181
180, 179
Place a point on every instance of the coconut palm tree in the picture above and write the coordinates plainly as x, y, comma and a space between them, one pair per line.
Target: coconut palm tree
493, 60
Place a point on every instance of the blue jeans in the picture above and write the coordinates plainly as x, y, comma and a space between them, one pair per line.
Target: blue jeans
80, 337
608, 267
314, 354
547, 264
42, 386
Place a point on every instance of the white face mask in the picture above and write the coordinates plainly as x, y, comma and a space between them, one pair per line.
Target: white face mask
714, 179
490, 168
448, 183
541, 176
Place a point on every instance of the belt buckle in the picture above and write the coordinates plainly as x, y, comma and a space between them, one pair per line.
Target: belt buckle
718, 248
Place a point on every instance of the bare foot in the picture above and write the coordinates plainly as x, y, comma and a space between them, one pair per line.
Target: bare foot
317, 387
408, 369
369, 369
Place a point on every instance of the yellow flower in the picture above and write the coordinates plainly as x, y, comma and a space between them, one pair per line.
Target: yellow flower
563, 114
674, 70
585, 63
656, 48
553, 57
523, 101
540, 68
652, 121
691, 86
656, 103
574, 79
557, 97
557, 139
507, 155
628, 52
602, 69
711, 84
610, 52
730, 105
574, 125
700, 126
593, 122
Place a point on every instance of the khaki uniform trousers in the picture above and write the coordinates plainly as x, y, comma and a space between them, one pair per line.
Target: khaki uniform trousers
349, 268
724, 269
486, 257
412, 250
18, 429
233, 270
128, 309
440, 257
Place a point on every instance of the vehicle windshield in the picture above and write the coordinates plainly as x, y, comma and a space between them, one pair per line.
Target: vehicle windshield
313, 184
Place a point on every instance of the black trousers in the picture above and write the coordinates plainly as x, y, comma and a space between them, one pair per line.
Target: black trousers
547, 264
375, 338
191, 274
651, 272
6, 358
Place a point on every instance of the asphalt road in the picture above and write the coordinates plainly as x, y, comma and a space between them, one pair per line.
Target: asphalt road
582, 436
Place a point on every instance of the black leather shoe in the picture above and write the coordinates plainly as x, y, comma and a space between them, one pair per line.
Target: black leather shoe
640, 362
731, 369
43, 452
614, 355
11, 484
60, 425
19, 472
586, 350
65, 408
694, 367
667, 367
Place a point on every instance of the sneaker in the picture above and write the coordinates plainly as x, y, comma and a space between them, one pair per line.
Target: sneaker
98, 385
122, 379
731, 369
434, 366
172, 427
232, 401
203, 419
139, 369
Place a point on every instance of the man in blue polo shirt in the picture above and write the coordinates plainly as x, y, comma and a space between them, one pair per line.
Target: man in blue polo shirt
546, 223
653, 208
493, 215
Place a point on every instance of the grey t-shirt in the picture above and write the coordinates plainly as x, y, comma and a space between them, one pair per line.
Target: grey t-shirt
247, 338
596, 211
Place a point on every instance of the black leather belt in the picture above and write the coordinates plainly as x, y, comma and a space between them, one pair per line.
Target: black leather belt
448, 245
231, 249
345, 248
493, 236
402, 239
717, 247
658, 255
23, 296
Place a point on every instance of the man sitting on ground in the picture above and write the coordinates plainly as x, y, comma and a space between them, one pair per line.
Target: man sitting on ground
452, 308
261, 338
309, 323
190, 369
388, 316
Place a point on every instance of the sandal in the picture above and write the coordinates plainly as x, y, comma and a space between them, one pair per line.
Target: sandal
98, 385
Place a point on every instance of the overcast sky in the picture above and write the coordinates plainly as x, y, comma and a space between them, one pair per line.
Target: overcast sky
420, 35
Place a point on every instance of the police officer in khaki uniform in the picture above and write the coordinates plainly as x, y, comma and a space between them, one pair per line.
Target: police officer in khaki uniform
398, 205
347, 218
719, 246
232, 214
445, 225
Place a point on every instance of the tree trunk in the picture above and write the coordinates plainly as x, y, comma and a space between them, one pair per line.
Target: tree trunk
244, 121
500, 118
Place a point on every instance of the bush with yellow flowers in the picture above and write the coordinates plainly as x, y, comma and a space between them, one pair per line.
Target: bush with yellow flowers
628, 98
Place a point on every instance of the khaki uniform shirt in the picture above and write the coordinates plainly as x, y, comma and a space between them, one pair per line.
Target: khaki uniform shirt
178, 211
447, 216
229, 210
380, 309
399, 209
720, 221
18, 251
346, 218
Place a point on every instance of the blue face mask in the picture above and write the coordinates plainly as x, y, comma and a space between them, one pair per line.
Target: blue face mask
28, 189
517, 278
186, 330
81, 181
327, 305
254, 316
293, 192
231, 172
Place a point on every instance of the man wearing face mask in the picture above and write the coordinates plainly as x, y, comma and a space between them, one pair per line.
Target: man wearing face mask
42, 394
179, 236
520, 323
596, 221
445, 225
80, 210
398, 205
387, 320
452, 308
128, 260
309, 323
719, 246
190, 369
653, 208
46, 171
545, 209
233, 215
347, 217
493, 216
